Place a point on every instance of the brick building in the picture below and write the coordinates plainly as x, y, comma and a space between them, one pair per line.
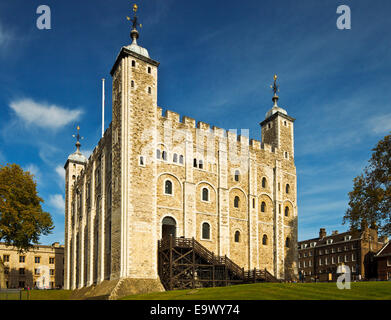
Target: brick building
40, 267
320, 257
383, 259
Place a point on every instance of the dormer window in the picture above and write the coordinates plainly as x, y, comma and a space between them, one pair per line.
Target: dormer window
347, 238
329, 241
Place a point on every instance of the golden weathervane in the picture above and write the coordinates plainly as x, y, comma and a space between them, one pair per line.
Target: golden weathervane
134, 20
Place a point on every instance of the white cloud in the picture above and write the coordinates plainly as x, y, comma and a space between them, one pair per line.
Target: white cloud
57, 202
61, 172
42, 114
381, 124
33, 169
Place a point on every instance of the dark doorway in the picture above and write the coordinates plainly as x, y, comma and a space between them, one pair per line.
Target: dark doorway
168, 227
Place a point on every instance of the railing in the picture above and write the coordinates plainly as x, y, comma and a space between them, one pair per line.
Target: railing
14, 294
249, 276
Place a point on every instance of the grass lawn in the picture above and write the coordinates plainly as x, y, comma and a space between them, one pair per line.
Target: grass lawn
278, 291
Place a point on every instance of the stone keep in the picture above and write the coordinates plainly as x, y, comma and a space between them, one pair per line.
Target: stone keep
117, 200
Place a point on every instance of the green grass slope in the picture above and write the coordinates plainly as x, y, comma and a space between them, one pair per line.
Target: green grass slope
278, 291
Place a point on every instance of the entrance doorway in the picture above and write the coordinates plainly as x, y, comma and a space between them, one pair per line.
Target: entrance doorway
168, 227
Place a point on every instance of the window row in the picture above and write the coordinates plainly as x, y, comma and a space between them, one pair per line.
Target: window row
22, 259
162, 155
338, 259
149, 69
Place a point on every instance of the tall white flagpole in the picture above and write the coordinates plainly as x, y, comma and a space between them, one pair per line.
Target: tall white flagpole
103, 107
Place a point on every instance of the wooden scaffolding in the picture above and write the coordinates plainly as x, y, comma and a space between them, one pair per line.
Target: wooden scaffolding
186, 264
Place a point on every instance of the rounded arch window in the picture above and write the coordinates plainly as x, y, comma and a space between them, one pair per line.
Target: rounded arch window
175, 158
286, 211
206, 231
181, 159
287, 188
263, 182
236, 202
133, 63
168, 187
164, 155
158, 153
287, 242
237, 236
264, 240
263, 206
205, 194
237, 175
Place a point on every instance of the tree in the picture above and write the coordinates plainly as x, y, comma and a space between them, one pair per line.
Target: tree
370, 200
22, 220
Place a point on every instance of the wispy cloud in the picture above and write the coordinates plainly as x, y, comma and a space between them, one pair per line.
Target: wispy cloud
43, 115
34, 170
381, 123
57, 202
61, 172
5, 37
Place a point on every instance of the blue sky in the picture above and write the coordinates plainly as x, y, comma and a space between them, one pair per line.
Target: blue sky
217, 60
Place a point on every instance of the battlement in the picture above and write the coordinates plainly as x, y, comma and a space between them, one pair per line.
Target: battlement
231, 136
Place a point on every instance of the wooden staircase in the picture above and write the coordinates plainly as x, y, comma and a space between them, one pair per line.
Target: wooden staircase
185, 264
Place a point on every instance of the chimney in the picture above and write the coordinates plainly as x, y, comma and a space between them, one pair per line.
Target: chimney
335, 232
322, 233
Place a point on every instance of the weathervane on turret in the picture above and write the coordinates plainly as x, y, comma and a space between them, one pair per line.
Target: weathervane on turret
276, 89
78, 138
135, 24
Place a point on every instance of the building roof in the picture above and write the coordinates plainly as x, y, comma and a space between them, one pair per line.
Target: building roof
336, 237
385, 251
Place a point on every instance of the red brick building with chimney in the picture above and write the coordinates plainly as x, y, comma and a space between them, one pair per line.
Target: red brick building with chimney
319, 258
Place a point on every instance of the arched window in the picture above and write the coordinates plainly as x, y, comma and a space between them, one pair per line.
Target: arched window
237, 174
205, 194
264, 240
164, 155
263, 182
236, 202
286, 211
263, 206
157, 153
195, 163
181, 159
149, 90
175, 158
237, 236
287, 242
149, 69
168, 187
133, 63
132, 84
287, 187
205, 231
